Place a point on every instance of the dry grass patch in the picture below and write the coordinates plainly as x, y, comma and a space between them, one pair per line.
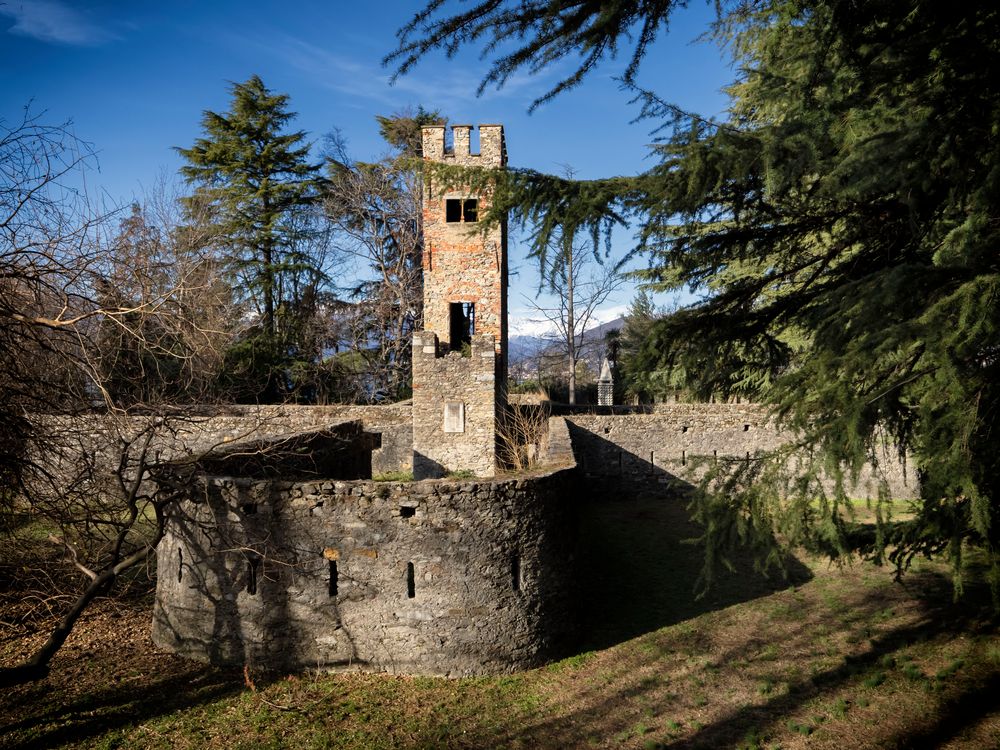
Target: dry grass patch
842, 658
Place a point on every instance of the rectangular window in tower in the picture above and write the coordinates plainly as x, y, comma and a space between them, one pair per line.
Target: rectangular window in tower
461, 326
459, 210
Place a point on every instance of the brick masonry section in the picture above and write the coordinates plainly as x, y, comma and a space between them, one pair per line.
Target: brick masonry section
461, 263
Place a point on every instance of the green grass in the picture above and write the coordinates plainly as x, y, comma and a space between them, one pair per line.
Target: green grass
828, 662
393, 476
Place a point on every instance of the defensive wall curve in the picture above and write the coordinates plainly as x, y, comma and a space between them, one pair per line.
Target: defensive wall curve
451, 576
454, 576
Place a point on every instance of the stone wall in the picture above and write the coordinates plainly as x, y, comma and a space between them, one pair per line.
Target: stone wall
558, 446
217, 426
433, 577
454, 408
679, 442
340, 451
447, 577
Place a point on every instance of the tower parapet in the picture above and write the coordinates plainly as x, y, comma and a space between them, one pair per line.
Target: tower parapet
492, 146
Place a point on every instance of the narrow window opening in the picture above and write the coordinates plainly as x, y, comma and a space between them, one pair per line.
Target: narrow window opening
715, 455
748, 456
253, 565
515, 571
453, 210
333, 577
411, 586
607, 430
746, 428
180, 564
470, 210
684, 458
474, 141
249, 509
405, 511
462, 324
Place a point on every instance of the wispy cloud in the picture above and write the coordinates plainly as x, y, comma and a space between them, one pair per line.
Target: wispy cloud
450, 87
54, 21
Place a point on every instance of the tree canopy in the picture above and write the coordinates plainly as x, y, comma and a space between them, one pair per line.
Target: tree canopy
541, 32
840, 226
254, 187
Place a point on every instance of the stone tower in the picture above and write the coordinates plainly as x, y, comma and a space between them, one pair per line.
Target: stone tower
460, 358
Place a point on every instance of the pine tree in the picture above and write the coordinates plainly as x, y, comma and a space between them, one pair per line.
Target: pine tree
254, 189
638, 381
841, 226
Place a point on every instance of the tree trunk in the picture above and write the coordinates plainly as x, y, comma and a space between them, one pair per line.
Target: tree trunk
570, 326
37, 667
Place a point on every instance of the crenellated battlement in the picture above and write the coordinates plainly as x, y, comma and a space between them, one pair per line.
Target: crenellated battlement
492, 146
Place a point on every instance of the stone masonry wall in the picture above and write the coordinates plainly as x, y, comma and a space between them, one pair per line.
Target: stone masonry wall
679, 441
340, 451
448, 382
233, 423
434, 577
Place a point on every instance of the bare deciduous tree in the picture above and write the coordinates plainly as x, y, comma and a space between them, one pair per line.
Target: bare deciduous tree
578, 284
78, 447
376, 210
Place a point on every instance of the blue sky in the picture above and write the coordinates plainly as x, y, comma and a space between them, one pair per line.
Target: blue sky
134, 79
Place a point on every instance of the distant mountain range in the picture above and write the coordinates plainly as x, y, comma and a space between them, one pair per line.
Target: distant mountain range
526, 352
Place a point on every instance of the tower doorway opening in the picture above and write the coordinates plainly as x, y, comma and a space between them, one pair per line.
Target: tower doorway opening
462, 324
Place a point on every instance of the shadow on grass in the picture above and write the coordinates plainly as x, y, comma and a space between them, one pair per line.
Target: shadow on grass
638, 572
619, 690
941, 619
50, 719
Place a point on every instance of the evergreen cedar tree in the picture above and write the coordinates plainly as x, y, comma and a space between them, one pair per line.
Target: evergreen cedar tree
842, 221
254, 183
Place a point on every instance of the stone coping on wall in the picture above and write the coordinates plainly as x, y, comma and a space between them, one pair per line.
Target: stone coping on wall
558, 446
677, 408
